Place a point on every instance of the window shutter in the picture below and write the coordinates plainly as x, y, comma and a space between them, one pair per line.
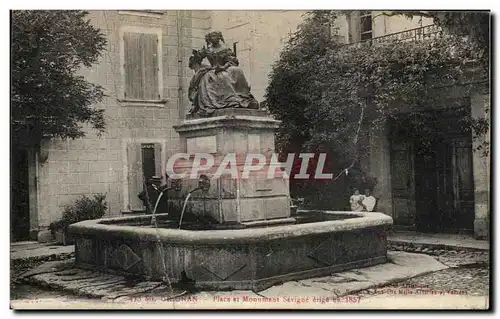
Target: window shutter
141, 66
158, 159
134, 160
354, 30
133, 65
150, 66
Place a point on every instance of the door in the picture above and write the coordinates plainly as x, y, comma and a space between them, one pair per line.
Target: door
444, 185
440, 174
19, 210
403, 183
463, 184
445, 194
425, 187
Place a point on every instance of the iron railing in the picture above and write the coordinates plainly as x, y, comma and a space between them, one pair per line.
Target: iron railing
423, 33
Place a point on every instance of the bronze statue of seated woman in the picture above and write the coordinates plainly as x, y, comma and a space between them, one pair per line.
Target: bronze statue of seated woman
220, 85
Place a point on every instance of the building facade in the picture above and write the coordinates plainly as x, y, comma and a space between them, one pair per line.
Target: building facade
145, 74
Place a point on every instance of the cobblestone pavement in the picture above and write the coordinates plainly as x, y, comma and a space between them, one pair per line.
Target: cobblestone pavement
468, 275
24, 291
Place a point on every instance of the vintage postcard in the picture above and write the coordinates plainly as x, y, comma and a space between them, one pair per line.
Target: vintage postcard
182, 159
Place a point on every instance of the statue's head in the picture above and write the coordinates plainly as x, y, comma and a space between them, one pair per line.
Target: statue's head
195, 59
214, 37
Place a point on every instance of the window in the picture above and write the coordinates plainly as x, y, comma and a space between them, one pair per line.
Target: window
148, 160
141, 55
143, 161
365, 25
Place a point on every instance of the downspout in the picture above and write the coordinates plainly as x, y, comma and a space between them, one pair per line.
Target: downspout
35, 222
180, 71
253, 31
238, 202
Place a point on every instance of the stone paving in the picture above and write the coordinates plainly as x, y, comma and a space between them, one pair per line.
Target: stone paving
39, 251
61, 275
426, 240
472, 282
470, 268
401, 267
467, 275
29, 255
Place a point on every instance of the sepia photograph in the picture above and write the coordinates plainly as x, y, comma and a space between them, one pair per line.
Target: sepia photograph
250, 159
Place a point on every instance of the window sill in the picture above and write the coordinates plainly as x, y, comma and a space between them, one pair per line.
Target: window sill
148, 13
132, 102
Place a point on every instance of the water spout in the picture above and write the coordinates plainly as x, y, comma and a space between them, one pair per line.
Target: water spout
185, 204
153, 219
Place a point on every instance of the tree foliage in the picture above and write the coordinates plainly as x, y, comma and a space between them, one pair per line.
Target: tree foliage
329, 96
474, 24
48, 97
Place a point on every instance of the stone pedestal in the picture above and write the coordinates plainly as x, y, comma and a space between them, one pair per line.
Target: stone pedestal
239, 132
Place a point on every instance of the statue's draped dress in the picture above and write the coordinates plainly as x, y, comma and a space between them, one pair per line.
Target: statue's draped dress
210, 90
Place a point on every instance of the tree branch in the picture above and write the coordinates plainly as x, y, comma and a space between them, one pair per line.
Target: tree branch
356, 137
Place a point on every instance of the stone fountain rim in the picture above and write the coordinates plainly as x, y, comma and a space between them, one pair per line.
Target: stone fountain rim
247, 235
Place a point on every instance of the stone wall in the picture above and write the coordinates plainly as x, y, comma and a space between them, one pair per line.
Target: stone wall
380, 168
480, 107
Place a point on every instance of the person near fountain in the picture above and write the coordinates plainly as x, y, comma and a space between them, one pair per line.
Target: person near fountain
222, 84
356, 200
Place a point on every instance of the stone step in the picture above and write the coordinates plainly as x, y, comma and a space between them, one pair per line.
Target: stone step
63, 276
23, 254
431, 248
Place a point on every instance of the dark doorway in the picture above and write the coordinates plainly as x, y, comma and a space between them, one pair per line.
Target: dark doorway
444, 186
19, 194
432, 179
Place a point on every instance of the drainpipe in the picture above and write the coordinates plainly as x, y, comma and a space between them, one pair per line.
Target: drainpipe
35, 220
238, 203
180, 72
219, 202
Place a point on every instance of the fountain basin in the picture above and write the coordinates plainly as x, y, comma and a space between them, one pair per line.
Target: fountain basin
252, 258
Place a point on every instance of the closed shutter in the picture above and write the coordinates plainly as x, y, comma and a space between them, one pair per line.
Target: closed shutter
133, 65
134, 159
354, 27
403, 183
150, 63
158, 159
141, 66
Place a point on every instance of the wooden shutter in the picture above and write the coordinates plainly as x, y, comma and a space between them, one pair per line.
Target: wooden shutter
141, 66
150, 66
354, 27
133, 65
403, 184
134, 160
158, 159
463, 184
